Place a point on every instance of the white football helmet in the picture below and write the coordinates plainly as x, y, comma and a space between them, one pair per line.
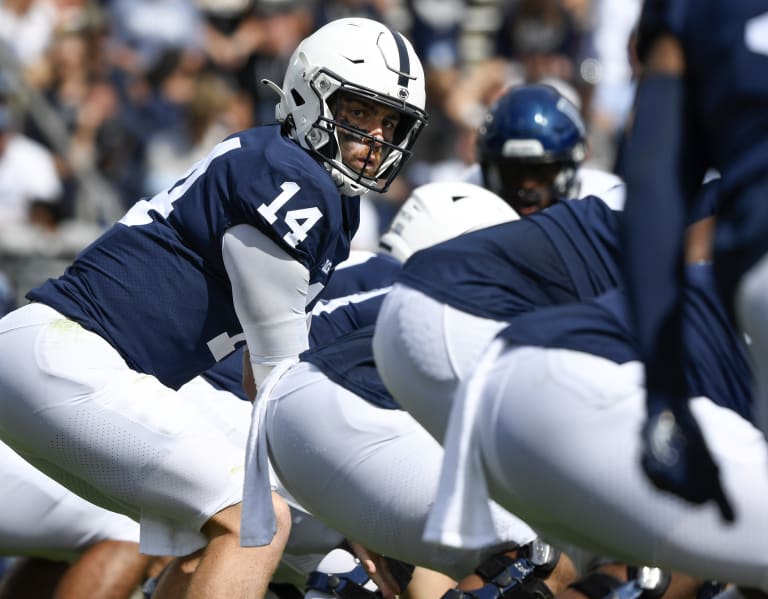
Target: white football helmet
439, 211
360, 57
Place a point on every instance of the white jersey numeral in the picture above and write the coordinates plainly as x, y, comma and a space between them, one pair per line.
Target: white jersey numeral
298, 221
222, 345
269, 211
162, 203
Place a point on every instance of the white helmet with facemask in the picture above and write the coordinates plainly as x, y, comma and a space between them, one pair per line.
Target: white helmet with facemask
365, 59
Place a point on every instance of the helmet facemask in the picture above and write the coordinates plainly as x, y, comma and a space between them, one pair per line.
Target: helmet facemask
332, 129
530, 146
510, 179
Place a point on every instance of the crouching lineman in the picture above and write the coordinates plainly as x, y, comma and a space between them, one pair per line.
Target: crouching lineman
375, 478
574, 372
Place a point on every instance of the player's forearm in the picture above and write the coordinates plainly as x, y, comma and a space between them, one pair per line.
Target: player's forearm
269, 291
653, 230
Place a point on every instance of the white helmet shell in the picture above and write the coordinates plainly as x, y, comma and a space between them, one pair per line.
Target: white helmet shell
361, 56
439, 211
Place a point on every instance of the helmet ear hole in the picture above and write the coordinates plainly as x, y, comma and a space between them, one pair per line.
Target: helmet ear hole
297, 99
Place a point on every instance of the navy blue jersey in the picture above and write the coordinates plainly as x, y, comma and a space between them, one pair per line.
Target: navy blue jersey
362, 271
342, 328
335, 346
345, 314
565, 253
155, 286
595, 326
348, 362
352, 298
717, 364
341, 338
712, 116
726, 52
227, 374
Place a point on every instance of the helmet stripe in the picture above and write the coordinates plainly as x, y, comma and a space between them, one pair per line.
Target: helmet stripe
405, 63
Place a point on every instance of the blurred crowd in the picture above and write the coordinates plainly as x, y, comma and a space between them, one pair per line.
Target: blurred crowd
105, 102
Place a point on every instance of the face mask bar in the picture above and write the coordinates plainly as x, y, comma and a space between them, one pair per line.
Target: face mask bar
329, 131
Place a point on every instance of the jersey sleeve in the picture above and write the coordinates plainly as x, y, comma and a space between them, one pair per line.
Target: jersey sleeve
295, 205
270, 308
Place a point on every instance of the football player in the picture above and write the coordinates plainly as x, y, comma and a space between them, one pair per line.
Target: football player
452, 298
549, 423
530, 150
236, 251
374, 479
697, 107
49, 528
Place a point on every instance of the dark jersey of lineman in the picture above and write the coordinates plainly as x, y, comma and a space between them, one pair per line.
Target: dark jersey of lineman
155, 286
350, 302
341, 335
726, 50
565, 253
717, 365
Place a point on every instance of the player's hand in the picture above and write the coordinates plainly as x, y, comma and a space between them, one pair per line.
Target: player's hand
676, 458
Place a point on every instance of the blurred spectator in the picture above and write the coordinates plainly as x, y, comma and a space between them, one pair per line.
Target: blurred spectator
212, 112
251, 40
73, 100
338, 9
143, 30
27, 175
104, 140
233, 33
156, 51
435, 30
535, 40
615, 87
544, 37
26, 27
435, 33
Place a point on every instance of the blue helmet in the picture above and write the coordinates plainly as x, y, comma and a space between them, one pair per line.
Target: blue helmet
532, 131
